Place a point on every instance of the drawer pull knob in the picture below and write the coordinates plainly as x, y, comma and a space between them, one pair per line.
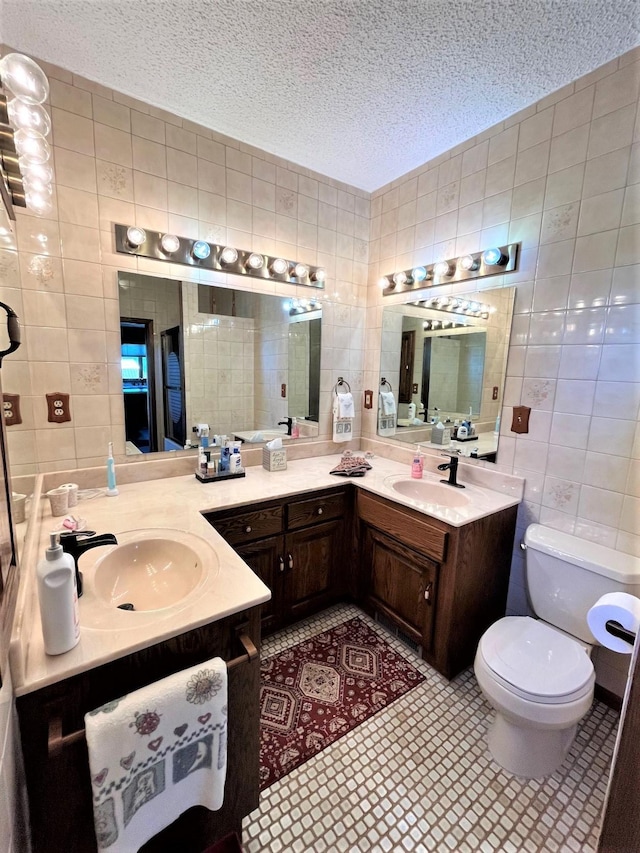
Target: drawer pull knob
281, 563
320, 510
290, 560
247, 529
427, 592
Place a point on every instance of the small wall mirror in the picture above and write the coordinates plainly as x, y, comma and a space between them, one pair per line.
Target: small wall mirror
239, 361
444, 365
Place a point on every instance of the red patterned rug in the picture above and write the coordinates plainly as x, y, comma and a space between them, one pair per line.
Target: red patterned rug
315, 692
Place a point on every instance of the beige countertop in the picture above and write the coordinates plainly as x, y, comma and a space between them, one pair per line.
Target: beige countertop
177, 503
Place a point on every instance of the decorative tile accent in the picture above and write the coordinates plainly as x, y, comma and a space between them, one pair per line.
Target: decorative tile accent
417, 776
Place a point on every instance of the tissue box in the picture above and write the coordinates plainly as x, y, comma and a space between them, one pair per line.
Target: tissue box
274, 460
440, 436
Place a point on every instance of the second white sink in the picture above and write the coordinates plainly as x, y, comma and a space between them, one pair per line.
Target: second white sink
428, 492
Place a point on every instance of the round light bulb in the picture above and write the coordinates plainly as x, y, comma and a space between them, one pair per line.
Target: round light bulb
419, 274
255, 261
279, 266
35, 185
24, 78
39, 171
32, 147
319, 275
229, 255
383, 282
469, 263
400, 278
136, 236
201, 250
442, 268
39, 202
28, 116
301, 271
493, 257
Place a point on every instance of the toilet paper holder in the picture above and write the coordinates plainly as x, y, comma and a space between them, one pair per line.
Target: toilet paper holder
619, 632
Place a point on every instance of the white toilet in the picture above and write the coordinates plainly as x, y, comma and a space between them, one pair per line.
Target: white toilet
537, 673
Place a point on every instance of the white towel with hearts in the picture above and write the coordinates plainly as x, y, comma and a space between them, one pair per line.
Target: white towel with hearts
157, 752
342, 426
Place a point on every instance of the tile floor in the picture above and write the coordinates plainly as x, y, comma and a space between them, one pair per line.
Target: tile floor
417, 777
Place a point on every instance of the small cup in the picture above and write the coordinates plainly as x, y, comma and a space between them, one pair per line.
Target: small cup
59, 499
19, 504
72, 488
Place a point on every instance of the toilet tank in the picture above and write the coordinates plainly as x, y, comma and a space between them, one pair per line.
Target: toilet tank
567, 575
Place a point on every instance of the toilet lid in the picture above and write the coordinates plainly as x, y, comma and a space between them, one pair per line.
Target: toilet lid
537, 662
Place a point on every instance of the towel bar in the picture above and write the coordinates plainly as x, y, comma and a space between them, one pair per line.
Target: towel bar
57, 741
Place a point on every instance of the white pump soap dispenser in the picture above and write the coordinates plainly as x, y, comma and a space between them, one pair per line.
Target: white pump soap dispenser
58, 597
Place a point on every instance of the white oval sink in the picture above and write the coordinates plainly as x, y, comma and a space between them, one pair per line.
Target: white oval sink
428, 492
152, 571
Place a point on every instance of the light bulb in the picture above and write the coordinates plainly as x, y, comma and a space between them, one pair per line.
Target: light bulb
493, 257
136, 236
279, 266
319, 275
39, 171
169, 243
31, 147
399, 279
383, 282
442, 268
201, 250
35, 185
301, 270
419, 274
24, 78
469, 263
39, 202
28, 116
228, 255
255, 261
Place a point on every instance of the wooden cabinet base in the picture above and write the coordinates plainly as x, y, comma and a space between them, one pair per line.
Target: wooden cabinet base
59, 787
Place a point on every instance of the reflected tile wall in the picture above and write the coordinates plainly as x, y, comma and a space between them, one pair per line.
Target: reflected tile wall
563, 178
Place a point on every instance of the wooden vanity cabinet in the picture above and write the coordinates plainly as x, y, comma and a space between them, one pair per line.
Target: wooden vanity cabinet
59, 785
298, 547
441, 585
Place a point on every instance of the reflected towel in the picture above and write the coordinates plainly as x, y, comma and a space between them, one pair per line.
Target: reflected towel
346, 408
387, 403
155, 753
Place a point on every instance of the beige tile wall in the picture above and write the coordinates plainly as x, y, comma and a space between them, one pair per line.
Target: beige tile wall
120, 160
561, 177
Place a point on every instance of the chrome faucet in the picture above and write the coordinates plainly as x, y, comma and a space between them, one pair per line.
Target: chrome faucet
452, 467
288, 423
71, 545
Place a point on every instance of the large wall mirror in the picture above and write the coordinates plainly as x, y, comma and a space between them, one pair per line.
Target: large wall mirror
446, 365
241, 362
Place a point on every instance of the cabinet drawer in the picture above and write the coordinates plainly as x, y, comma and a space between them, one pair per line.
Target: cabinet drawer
247, 526
314, 510
406, 526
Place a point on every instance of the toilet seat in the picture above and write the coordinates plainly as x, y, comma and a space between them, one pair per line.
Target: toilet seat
537, 663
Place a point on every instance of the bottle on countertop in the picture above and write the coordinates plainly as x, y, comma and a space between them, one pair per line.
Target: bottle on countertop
412, 411
58, 596
295, 429
417, 466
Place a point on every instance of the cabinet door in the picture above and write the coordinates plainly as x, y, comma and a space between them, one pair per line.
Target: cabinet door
402, 585
311, 555
266, 558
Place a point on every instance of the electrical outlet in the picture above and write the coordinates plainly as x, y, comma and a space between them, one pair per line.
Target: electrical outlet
494, 395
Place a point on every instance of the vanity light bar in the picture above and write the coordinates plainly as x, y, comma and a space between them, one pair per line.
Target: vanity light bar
193, 253
492, 261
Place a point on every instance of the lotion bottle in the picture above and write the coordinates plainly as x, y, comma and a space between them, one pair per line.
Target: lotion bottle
58, 597
295, 429
417, 466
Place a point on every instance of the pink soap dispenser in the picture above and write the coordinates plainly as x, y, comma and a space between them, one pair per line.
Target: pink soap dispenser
417, 466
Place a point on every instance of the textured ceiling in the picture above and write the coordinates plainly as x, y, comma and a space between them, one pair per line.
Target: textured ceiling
361, 90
